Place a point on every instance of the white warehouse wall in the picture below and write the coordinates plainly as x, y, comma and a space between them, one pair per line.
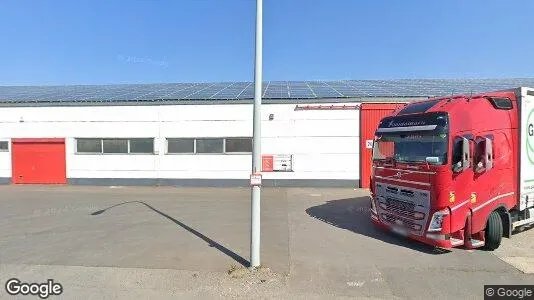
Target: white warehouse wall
324, 143
5, 161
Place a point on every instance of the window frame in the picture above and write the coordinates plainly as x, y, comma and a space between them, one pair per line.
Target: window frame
153, 152
114, 138
195, 151
210, 153
180, 153
89, 153
238, 152
116, 153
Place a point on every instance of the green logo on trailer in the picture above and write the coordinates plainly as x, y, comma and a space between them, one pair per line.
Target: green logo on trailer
530, 137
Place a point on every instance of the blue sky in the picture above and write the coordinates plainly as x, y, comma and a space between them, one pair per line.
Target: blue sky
149, 41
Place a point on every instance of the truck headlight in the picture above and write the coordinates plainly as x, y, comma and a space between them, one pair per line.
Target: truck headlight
436, 223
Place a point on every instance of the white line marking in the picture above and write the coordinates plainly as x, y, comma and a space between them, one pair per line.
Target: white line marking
459, 205
493, 199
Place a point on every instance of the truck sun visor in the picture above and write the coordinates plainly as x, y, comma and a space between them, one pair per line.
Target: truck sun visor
423, 122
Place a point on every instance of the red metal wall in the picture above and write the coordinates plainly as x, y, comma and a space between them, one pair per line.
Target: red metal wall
370, 116
39, 161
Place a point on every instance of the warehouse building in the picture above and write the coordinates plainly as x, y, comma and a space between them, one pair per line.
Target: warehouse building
313, 133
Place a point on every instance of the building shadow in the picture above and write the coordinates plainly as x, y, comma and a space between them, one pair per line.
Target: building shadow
209, 241
354, 214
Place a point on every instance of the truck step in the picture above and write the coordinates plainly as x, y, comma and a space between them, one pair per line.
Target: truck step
476, 243
456, 242
524, 222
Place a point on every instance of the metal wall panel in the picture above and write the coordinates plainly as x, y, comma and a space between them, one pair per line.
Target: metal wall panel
371, 114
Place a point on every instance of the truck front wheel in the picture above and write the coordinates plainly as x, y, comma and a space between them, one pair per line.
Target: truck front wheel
494, 231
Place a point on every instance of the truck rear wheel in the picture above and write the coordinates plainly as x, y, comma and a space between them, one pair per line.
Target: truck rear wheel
494, 231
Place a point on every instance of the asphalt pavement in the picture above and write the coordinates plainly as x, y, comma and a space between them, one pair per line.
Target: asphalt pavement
166, 242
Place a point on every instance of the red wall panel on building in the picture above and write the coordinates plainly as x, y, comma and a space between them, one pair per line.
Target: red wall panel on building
370, 116
39, 161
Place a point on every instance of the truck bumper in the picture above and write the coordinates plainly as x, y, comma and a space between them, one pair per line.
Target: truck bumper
433, 239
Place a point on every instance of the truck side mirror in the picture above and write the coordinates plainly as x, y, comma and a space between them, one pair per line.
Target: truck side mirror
484, 156
462, 155
488, 154
466, 154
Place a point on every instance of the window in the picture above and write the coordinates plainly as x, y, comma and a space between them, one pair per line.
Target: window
180, 145
483, 156
115, 146
142, 146
383, 149
501, 103
238, 145
209, 146
480, 150
457, 151
412, 148
89, 146
461, 152
4, 146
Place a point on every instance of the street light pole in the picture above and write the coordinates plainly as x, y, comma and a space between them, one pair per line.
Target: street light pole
256, 140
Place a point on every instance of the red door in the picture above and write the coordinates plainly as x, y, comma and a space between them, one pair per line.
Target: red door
370, 116
39, 161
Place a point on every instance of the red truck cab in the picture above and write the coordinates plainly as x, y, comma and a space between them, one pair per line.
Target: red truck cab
450, 171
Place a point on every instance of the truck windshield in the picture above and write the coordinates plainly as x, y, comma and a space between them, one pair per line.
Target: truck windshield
412, 147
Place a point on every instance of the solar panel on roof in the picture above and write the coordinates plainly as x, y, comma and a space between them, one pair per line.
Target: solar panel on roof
245, 90
301, 93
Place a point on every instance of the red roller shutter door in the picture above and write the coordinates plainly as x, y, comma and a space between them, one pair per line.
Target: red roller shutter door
39, 161
370, 116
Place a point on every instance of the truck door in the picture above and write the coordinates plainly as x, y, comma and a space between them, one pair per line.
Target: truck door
462, 180
484, 183
492, 175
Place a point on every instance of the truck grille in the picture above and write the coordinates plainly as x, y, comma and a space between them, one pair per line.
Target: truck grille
402, 207
397, 205
405, 222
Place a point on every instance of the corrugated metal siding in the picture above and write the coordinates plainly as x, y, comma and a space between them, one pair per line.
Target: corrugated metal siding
371, 114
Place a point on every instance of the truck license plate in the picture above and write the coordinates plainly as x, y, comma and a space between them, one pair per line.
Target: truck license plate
399, 230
